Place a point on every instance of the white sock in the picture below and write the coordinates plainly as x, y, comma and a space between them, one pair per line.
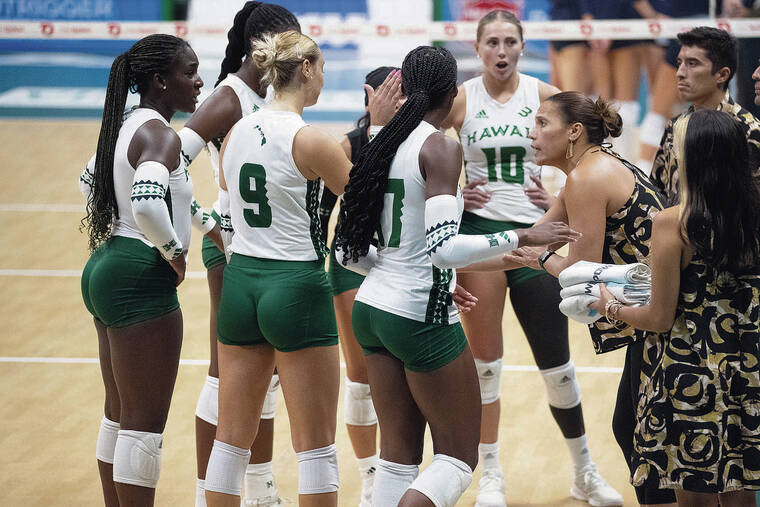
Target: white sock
259, 481
391, 482
367, 466
579, 452
489, 456
200, 493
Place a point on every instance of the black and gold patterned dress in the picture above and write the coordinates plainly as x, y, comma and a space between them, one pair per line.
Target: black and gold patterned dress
698, 418
627, 235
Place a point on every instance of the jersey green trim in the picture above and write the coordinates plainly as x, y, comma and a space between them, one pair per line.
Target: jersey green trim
440, 298
315, 224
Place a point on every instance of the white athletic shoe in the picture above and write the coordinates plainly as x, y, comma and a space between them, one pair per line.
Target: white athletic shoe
368, 482
591, 487
491, 489
266, 501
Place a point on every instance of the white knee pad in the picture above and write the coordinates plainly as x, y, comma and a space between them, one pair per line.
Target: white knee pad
109, 432
562, 387
489, 375
358, 409
652, 128
391, 482
317, 471
270, 401
226, 468
137, 458
207, 407
444, 480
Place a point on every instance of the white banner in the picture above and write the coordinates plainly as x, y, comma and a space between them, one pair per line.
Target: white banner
352, 31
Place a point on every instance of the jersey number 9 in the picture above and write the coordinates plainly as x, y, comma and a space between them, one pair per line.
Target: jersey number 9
253, 190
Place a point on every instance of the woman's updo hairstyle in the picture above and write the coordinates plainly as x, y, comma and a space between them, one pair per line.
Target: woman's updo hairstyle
279, 56
598, 117
498, 15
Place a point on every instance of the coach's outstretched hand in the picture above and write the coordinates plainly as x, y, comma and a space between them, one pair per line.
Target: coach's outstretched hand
383, 103
463, 299
547, 234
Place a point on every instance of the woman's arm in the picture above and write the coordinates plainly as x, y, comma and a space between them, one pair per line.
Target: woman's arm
667, 251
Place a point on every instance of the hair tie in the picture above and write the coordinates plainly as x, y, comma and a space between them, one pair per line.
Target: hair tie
299, 54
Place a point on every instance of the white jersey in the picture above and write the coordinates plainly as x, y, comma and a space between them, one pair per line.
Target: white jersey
179, 195
250, 102
404, 281
494, 138
274, 208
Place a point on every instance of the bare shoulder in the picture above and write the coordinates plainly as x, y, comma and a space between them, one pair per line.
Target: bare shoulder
217, 114
309, 139
439, 146
155, 141
545, 90
668, 219
345, 143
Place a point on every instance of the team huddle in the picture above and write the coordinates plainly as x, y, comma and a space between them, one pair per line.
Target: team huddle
418, 270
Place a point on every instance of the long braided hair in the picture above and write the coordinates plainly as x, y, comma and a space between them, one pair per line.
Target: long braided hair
427, 75
132, 71
251, 23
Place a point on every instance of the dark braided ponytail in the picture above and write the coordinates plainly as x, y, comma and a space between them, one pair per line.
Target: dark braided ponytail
427, 75
130, 71
251, 22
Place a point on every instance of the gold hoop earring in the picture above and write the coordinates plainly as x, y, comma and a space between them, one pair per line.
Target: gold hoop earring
569, 151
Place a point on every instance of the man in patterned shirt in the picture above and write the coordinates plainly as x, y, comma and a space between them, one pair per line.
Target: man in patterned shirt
706, 63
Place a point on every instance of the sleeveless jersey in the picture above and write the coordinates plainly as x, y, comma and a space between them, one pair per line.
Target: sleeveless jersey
274, 208
250, 102
404, 281
496, 148
178, 197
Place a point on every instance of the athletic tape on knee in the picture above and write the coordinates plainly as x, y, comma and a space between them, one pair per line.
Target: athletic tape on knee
358, 409
207, 407
226, 468
270, 401
137, 458
652, 127
444, 480
106, 446
562, 387
489, 376
317, 471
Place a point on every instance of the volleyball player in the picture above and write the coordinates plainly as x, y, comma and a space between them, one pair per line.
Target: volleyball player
404, 190
358, 411
238, 92
276, 304
494, 114
138, 221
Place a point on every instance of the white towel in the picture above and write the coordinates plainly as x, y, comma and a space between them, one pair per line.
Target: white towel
576, 308
628, 293
584, 271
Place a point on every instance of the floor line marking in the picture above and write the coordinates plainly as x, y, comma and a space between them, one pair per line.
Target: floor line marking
205, 362
56, 208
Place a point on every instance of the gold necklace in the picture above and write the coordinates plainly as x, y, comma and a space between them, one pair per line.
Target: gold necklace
584, 154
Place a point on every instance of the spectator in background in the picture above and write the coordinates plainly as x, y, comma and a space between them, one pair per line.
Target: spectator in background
568, 58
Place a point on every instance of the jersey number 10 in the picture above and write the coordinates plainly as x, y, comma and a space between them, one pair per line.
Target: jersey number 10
253, 190
510, 158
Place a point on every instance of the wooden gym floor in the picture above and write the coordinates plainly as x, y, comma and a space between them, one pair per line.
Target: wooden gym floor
52, 396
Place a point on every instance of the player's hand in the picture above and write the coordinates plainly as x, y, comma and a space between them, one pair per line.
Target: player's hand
179, 265
383, 102
538, 195
606, 296
474, 197
526, 255
547, 234
463, 299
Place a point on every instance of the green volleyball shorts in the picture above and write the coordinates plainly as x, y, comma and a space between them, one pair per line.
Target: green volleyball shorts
287, 304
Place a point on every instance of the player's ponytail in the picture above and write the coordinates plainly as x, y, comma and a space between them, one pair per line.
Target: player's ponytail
131, 71
251, 22
427, 75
